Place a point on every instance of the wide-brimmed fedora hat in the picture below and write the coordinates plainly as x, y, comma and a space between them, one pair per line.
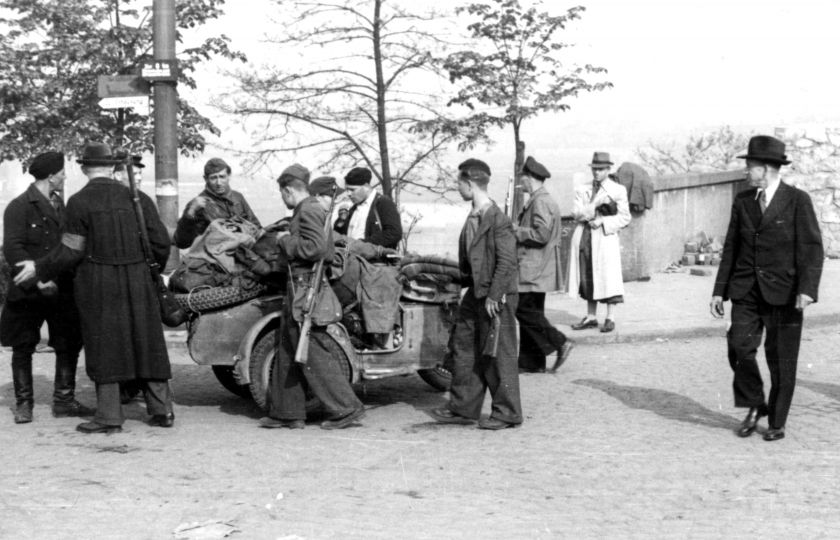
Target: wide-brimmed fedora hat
97, 153
766, 148
601, 160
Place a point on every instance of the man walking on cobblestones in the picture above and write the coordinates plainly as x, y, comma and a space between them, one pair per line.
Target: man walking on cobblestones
770, 269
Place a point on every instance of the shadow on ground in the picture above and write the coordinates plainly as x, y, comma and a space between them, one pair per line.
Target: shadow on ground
829, 390
662, 402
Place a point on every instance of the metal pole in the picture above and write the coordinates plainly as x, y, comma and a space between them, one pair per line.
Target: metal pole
166, 125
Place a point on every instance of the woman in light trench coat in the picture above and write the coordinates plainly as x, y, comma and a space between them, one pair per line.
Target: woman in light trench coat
601, 210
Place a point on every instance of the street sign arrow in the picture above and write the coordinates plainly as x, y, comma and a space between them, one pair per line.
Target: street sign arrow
140, 104
121, 85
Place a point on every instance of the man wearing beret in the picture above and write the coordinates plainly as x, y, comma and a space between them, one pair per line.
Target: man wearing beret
307, 241
770, 270
373, 218
216, 201
538, 250
32, 227
484, 339
115, 294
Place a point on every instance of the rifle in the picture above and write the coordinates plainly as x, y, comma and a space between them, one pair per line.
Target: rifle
171, 312
302, 351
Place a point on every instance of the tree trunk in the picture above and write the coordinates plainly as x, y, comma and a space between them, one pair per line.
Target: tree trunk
381, 125
519, 161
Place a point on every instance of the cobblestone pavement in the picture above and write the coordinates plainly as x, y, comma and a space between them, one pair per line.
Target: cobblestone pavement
630, 440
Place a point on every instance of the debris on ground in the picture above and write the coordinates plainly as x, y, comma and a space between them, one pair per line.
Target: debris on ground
205, 530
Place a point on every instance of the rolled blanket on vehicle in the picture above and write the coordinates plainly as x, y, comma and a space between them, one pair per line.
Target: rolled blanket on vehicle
430, 278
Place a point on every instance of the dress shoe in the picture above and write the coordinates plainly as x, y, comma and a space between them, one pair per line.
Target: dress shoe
72, 408
445, 416
273, 423
751, 421
774, 434
585, 323
162, 420
495, 424
562, 356
609, 326
96, 427
23, 413
344, 421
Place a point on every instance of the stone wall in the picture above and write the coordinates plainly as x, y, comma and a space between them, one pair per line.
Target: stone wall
816, 169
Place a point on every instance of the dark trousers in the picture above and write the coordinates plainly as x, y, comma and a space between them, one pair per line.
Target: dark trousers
474, 373
782, 326
109, 408
20, 328
322, 373
537, 337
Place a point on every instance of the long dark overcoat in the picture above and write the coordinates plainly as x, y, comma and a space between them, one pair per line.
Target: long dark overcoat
114, 291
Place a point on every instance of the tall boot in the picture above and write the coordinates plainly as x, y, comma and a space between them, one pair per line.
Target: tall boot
24, 388
64, 393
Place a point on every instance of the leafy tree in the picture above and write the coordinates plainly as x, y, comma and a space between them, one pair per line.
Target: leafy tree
366, 94
51, 54
515, 70
711, 151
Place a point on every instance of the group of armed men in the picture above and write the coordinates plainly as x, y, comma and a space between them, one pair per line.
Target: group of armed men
82, 269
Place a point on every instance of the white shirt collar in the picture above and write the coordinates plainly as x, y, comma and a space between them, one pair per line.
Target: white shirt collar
770, 190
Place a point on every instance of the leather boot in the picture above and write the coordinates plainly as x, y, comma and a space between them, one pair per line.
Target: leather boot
24, 389
64, 393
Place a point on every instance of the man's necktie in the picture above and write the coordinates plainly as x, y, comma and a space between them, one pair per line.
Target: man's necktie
762, 200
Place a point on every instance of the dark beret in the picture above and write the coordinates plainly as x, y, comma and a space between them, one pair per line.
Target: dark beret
534, 168
296, 171
323, 185
215, 165
474, 164
46, 164
358, 177
137, 162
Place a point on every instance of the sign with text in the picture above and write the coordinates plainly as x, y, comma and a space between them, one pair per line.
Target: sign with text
140, 104
159, 70
121, 85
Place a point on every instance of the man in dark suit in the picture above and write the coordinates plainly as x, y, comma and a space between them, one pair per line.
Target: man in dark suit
373, 218
32, 227
770, 270
484, 339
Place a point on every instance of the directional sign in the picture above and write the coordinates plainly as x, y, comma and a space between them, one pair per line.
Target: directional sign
159, 70
140, 104
121, 85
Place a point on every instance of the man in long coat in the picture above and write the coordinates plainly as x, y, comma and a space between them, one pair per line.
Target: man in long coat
601, 210
770, 269
484, 339
32, 227
538, 248
115, 294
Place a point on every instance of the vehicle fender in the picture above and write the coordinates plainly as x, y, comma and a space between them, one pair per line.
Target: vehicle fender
340, 336
242, 361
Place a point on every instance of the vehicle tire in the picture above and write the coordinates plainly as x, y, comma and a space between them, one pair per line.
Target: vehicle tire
217, 297
225, 376
262, 363
437, 377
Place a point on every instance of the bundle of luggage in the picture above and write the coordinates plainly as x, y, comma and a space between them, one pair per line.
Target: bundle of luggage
429, 278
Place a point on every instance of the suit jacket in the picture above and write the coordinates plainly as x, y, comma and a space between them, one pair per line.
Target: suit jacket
31, 229
538, 239
383, 226
781, 250
488, 264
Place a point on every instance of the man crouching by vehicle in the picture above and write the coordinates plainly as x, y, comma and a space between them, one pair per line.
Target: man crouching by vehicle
484, 339
306, 243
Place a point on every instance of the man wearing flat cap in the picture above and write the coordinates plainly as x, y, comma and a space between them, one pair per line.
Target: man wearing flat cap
115, 294
538, 250
601, 210
137, 166
32, 227
373, 218
307, 241
484, 338
217, 201
770, 270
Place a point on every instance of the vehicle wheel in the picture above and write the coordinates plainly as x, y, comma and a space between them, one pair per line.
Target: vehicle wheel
217, 297
226, 377
262, 362
437, 377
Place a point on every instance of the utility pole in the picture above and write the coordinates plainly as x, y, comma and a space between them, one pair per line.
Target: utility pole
165, 121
